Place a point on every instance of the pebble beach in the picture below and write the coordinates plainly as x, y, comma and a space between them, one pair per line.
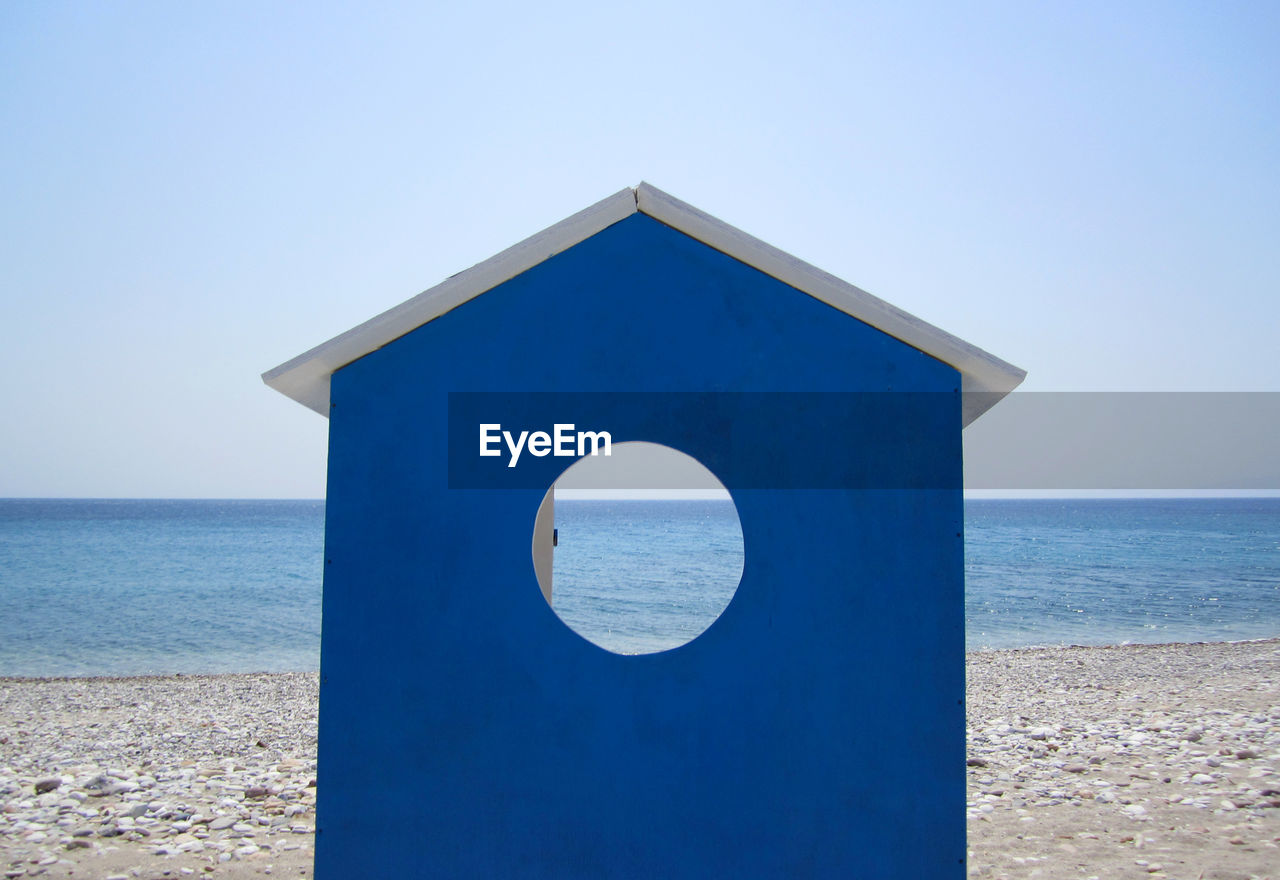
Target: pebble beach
1100, 762
158, 777
1133, 761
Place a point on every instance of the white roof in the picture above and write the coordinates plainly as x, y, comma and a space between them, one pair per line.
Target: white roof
306, 377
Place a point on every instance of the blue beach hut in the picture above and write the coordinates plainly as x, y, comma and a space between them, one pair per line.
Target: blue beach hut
465, 731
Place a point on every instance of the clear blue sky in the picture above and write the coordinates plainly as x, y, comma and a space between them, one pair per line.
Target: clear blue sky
194, 193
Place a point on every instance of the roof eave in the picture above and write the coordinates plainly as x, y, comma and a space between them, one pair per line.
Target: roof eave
985, 378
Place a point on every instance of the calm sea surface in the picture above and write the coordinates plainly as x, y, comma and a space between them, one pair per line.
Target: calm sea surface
112, 587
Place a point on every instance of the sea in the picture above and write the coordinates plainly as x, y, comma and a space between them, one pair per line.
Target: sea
132, 587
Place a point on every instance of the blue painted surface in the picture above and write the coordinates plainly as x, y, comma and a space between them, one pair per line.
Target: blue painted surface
750, 440
515, 748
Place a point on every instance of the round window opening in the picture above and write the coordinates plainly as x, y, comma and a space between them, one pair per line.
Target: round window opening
638, 551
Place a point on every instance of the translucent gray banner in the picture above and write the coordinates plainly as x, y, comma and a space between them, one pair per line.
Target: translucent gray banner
1187, 441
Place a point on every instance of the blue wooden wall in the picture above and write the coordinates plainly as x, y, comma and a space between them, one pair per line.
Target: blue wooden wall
815, 730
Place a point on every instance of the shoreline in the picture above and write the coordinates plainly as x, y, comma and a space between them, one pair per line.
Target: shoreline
1139, 760
1106, 645
969, 653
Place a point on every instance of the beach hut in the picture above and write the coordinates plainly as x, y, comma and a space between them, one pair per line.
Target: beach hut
815, 729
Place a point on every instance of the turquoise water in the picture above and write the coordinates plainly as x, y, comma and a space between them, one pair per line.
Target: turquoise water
116, 587
132, 587
613, 588
1113, 571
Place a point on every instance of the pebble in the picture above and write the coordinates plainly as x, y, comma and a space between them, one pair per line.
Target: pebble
46, 785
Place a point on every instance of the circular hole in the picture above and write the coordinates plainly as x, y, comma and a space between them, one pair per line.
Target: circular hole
639, 551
